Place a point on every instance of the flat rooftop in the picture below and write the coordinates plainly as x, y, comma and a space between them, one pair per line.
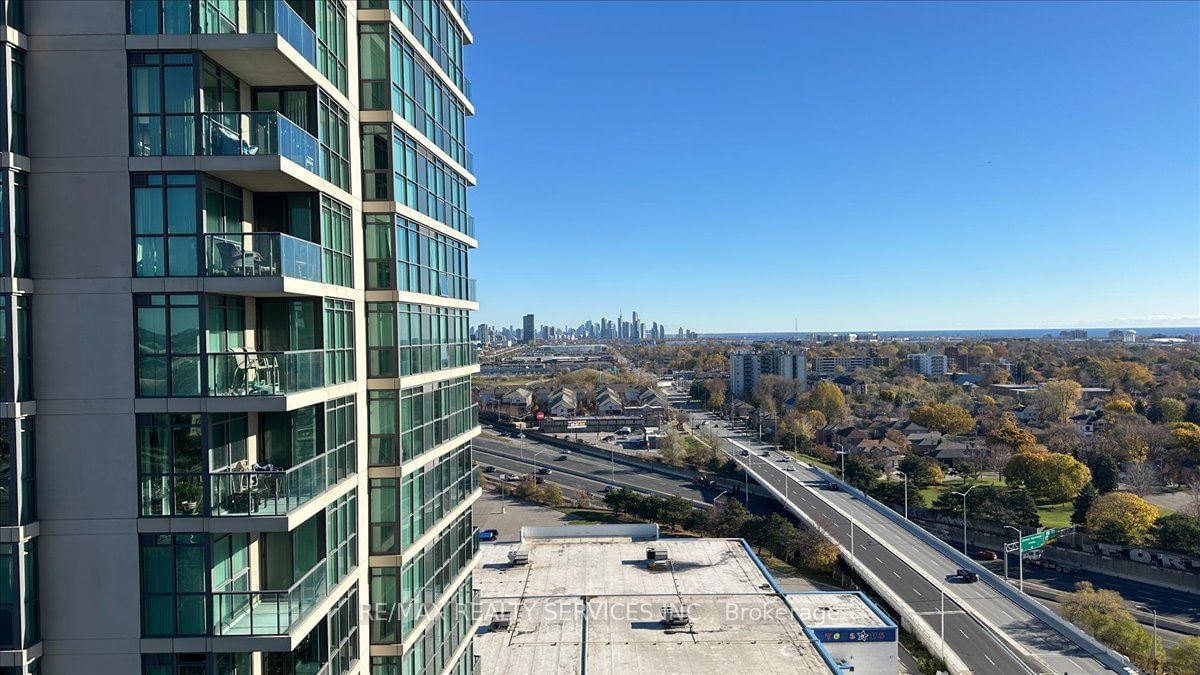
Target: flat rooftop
834, 610
590, 604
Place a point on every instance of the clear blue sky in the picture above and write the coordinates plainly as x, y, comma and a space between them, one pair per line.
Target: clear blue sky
732, 166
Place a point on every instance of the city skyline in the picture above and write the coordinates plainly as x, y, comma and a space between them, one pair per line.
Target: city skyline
993, 175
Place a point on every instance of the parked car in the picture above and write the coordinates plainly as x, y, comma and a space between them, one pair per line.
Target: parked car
561, 458
766, 453
545, 471
511, 477
539, 480
790, 467
985, 555
488, 535
745, 453
489, 469
967, 576
611, 488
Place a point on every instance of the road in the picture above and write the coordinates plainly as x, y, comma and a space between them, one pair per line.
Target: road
521, 456
906, 564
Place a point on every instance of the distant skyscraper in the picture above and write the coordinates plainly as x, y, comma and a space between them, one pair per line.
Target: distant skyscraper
529, 331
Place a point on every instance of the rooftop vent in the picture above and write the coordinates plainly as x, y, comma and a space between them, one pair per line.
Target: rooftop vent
656, 556
674, 616
501, 620
518, 558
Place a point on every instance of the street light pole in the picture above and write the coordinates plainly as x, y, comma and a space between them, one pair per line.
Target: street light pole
1020, 558
964, 496
942, 612
905, 492
1154, 646
841, 450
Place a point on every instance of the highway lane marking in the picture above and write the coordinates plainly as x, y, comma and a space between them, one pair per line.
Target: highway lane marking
915, 590
989, 659
897, 575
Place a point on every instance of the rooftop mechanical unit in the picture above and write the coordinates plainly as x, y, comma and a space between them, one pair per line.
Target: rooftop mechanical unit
501, 620
657, 556
518, 558
675, 616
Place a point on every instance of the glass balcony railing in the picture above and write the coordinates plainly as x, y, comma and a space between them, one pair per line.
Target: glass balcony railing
277, 16
249, 373
270, 612
259, 133
261, 254
272, 493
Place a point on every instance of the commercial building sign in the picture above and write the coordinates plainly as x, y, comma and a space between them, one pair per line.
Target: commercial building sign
855, 634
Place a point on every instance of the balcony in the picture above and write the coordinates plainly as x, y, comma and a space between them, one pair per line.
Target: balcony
274, 493
259, 133
262, 254
247, 373
277, 16
271, 612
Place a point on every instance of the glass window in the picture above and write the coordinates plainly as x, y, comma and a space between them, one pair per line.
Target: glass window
170, 465
331, 42
339, 341
17, 107
162, 92
168, 345
333, 130
174, 585
165, 214
335, 239
18, 497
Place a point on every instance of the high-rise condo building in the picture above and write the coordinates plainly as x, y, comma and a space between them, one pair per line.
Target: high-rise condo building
529, 329
236, 311
747, 366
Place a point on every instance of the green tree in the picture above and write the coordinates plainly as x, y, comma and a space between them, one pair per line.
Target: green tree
675, 511
1056, 400
1186, 435
1184, 657
1193, 412
621, 500
1049, 476
1083, 502
1104, 615
860, 474
1178, 532
1105, 474
1166, 411
921, 471
1010, 433
1121, 518
992, 503
944, 417
891, 493
827, 399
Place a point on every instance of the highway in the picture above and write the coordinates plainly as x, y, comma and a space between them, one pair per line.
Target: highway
907, 565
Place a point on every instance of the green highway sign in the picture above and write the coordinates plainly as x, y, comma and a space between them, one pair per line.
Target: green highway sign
1034, 541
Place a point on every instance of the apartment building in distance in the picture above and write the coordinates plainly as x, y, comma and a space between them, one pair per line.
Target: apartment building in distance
828, 366
929, 364
237, 273
528, 329
747, 366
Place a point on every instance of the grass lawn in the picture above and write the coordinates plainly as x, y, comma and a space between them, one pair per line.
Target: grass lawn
590, 516
1056, 515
